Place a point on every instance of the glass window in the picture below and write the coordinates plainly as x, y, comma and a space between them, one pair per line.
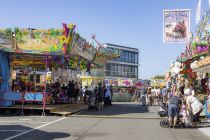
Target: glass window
136, 58
129, 71
122, 56
126, 56
107, 70
119, 70
136, 72
126, 71
112, 70
123, 70
132, 58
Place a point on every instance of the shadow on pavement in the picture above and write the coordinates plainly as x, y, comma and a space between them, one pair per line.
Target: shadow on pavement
122, 109
7, 131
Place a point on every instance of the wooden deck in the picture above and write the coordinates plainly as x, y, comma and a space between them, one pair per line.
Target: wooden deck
57, 109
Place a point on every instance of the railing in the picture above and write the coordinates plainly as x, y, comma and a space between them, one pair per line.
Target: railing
121, 97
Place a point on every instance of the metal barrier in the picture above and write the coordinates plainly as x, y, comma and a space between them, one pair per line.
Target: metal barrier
10, 97
122, 97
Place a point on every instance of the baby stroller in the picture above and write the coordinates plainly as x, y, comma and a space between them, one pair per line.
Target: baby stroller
92, 103
163, 112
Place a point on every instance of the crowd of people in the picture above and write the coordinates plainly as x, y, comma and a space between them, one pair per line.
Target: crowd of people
98, 98
151, 96
180, 101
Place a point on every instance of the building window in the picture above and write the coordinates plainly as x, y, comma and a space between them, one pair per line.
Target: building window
119, 71
107, 70
136, 72
136, 58
114, 70
111, 69
132, 58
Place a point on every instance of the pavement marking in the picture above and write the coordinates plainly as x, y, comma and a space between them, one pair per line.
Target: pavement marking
12, 130
25, 119
15, 136
20, 122
114, 117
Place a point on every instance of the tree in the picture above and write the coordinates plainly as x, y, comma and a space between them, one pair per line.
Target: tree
159, 77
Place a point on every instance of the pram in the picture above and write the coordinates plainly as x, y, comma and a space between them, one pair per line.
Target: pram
92, 103
163, 112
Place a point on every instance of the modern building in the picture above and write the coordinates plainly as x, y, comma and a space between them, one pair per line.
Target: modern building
124, 67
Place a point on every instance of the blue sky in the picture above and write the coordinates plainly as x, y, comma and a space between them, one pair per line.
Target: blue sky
134, 23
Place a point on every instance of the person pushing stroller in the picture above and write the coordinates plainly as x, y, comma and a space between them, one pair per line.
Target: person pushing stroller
173, 109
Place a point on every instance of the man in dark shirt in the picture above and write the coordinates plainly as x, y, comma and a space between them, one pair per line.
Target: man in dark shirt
173, 109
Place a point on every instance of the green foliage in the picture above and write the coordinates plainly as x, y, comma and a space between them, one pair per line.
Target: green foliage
159, 77
83, 65
8, 33
52, 32
57, 33
18, 34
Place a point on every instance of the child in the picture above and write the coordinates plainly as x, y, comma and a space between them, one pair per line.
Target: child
184, 114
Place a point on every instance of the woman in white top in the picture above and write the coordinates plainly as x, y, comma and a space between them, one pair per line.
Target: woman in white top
194, 106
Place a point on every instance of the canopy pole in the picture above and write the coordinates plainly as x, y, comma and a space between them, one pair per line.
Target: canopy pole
45, 87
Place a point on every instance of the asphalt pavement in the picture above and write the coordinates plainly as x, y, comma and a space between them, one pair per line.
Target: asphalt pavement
122, 121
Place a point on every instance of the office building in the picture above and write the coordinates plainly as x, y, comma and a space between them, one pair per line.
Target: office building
124, 67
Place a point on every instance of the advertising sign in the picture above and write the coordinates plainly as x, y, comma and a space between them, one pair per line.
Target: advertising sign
176, 26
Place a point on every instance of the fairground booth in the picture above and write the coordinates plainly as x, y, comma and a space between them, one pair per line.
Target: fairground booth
96, 74
192, 66
31, 59
123, 89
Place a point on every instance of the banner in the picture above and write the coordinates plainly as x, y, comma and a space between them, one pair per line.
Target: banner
176, 26
198, 12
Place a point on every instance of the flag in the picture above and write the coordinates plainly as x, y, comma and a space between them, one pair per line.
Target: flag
209, 2
198, 12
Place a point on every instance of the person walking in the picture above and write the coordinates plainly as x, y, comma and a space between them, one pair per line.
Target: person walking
104, 89
100, 96
194, 107
164, 94
76, 92
95, 91
71, 91
107, 101
134, 98
150, 97
112, 93
143, 96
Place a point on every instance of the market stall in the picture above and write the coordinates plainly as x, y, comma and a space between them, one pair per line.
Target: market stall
202, 67
192, 66
34, 58
123, 89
